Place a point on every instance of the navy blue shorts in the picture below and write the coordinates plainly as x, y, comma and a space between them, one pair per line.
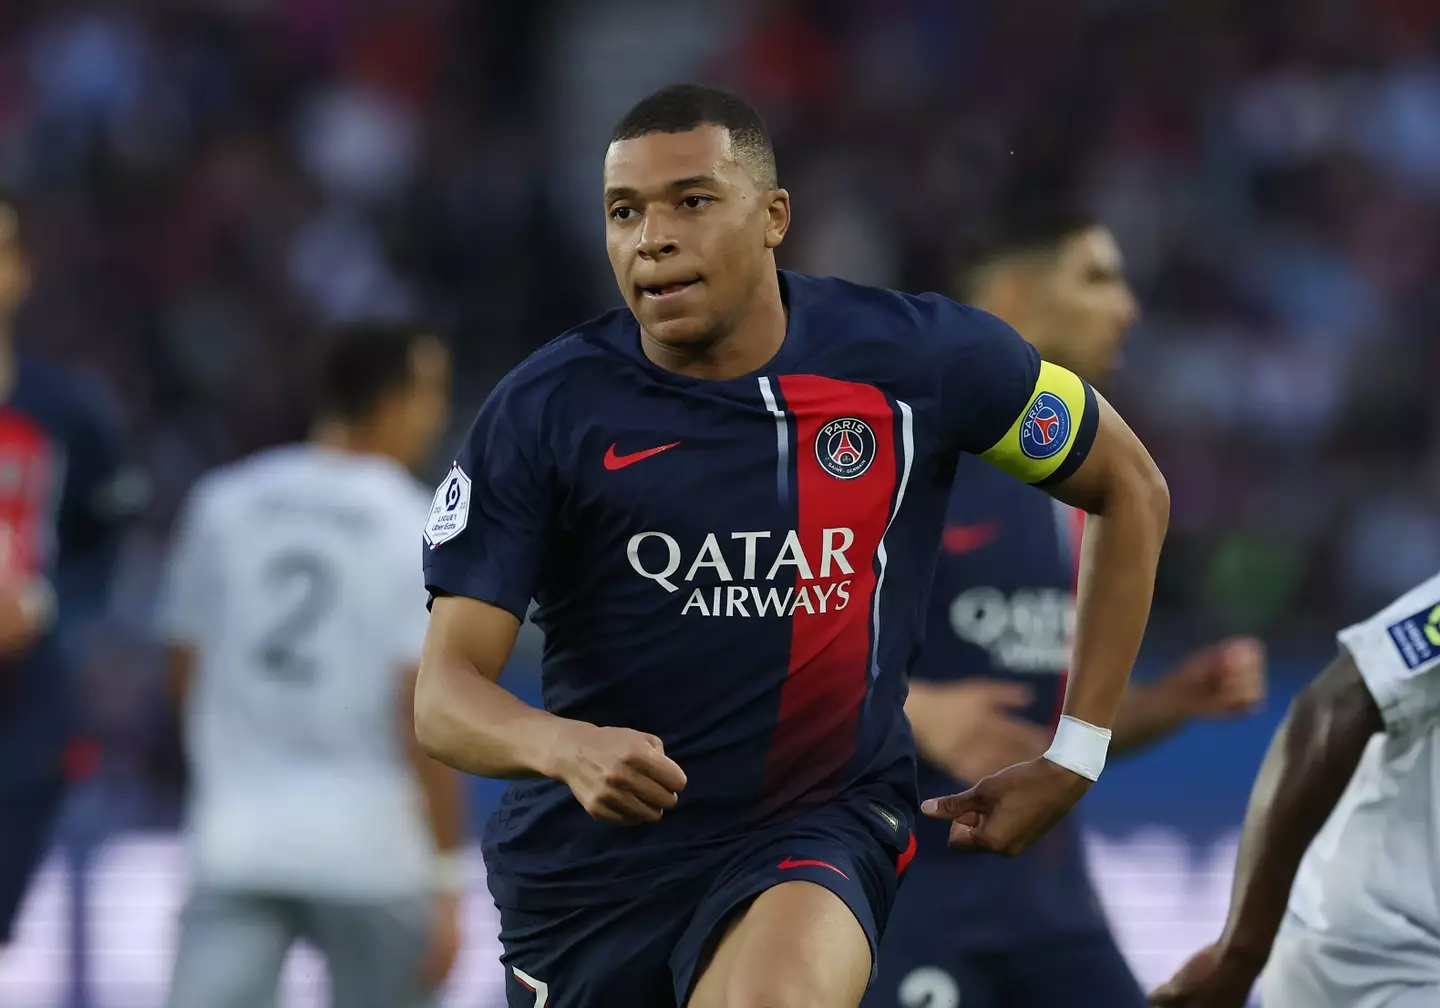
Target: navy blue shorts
1082, 970
646, 952
28, 818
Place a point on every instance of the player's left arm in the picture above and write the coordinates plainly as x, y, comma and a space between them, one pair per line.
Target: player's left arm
1121, 488
1044, 425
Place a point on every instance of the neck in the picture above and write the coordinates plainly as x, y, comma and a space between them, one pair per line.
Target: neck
744, 347
357, 439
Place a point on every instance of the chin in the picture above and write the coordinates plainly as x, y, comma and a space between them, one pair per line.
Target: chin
687, 331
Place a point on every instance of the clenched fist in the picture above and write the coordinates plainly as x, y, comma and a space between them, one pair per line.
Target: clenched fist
619, 775
1223, 680
27, 607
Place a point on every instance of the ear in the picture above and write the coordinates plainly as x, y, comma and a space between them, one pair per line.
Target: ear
777, 213
1011, 295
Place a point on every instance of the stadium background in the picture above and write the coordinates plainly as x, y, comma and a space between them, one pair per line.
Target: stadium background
214, 180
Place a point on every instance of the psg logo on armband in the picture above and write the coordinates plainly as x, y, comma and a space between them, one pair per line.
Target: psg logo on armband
845, 447
1046, 428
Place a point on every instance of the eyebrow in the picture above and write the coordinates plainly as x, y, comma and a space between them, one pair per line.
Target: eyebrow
625, 192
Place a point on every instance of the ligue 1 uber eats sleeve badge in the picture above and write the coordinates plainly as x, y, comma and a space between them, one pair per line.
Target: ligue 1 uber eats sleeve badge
450, 509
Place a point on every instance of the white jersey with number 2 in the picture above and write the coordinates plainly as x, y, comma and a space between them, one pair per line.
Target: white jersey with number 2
296, 578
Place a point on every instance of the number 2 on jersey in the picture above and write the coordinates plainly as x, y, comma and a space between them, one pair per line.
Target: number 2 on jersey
306, 580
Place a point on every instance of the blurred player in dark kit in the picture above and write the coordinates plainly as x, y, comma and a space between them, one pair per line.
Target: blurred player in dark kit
727, 499
991, 679
63, 497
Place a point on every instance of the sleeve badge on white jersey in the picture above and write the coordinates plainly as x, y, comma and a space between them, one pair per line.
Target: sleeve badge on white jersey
450, 509
1417, 637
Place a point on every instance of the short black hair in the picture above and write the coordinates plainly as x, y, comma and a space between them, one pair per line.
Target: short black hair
362, 363
679, 108
1032, 215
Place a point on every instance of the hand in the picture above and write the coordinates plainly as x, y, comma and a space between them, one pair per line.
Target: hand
444, 941
619, 775
24, 614
1211, 979
1008, 811
1222, 680
967, 728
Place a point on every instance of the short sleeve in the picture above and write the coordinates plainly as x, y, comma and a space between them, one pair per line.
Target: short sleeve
1033, 419
490, 518
1398, 654
188, 592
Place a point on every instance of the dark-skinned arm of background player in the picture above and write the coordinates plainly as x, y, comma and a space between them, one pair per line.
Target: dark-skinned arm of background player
1307, 767
1119, 485
467, 720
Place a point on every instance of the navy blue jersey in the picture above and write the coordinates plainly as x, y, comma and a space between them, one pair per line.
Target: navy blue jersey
61, 496
739, 567
1002, 608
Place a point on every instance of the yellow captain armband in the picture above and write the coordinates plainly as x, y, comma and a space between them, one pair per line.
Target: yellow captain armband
1053, 434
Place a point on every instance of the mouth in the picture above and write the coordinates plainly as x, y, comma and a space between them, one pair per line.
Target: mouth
667, 291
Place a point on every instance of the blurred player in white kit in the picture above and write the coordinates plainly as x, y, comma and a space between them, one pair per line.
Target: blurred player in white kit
295, 614
1345, 808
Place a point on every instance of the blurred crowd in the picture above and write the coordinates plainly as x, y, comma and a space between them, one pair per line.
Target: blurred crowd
212, 181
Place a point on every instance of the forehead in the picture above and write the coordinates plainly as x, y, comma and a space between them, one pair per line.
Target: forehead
654, 161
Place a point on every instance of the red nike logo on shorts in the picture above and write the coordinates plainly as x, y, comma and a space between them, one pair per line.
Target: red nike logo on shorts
790, 862
613, 461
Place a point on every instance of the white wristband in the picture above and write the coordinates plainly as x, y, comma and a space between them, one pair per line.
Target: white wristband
1079, 747
449, 873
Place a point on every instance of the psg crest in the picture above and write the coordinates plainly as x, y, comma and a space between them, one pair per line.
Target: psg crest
1046, 428
845, 447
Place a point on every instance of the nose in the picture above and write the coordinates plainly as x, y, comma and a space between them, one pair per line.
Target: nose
1129, 307
657, 237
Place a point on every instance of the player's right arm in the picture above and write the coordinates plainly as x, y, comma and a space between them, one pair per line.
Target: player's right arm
1385, 678
189, 594
485, 541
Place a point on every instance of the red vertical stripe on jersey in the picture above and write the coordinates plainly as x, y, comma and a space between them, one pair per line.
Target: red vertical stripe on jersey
1077, 535
28, 494
829, 671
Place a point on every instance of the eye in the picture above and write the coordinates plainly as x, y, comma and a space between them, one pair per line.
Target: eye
622, 213
695, 202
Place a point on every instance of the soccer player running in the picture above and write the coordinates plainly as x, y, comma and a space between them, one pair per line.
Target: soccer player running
1343, 809
989, 682
727, 498
64, 497
295, 618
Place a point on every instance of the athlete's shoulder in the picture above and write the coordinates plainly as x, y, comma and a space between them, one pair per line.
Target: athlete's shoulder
597, 342
859, 307
217, 488
1397, 652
